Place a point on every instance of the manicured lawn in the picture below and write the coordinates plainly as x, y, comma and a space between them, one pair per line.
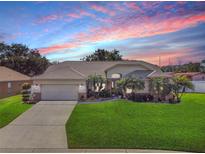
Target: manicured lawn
124, 124
10, 108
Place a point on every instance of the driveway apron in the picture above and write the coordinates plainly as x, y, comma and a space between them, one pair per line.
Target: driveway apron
42, 126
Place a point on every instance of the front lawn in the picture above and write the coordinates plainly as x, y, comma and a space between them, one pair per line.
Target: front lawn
10, 108
124, 124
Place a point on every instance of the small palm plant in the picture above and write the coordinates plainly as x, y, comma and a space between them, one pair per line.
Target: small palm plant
135, 84
130, 83
96, 82
179, 85
122, 86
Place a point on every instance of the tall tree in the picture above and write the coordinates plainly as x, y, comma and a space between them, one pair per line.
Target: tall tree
104, 55
22, 59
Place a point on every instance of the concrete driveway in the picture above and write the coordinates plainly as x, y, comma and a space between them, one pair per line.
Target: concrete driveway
42, 126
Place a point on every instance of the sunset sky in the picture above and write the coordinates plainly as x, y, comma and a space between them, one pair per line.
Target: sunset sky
61, 31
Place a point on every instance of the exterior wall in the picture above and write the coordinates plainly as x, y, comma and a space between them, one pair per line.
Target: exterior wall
199, 77
199, 87
124, 69
59, 82
15, 88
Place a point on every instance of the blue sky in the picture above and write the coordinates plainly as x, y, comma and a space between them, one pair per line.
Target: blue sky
61, 31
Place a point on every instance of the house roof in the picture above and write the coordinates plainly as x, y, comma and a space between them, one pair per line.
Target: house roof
82, 69
7, 74
189, 73
161, 74
140, 74
63, 72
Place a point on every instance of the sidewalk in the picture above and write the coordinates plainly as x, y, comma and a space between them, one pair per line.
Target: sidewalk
86, 151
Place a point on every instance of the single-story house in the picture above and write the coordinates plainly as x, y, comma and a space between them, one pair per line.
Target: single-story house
11, 82
68, 80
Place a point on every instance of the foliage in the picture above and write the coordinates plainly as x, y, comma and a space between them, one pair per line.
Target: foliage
179, 85
122, 86
104, 55
140, 97
104, 93
96, 82
22, 59
135, 84
190, 67
126, 125
10, 108
26, 92
160, 87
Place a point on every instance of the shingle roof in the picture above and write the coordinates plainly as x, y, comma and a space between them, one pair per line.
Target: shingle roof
161, 74
64, 72
140, 74
7, 74
83, 69
189, 73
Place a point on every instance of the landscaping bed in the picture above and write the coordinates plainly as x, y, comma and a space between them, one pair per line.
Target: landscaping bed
125, 124
10, 108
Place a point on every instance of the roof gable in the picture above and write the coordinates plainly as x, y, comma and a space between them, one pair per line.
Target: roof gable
7, 74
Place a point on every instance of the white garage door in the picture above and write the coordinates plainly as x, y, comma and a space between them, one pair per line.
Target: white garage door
59, 92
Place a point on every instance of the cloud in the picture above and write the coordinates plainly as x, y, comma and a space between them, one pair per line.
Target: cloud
133, 30
133, 6
162, 57
48, 18
102, 9
80, 14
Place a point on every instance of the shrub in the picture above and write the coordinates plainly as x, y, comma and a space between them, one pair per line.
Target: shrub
140, 97
104, 93
26, 92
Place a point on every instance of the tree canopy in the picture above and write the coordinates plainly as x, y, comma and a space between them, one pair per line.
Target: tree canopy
104, 55
22, 59
189, 67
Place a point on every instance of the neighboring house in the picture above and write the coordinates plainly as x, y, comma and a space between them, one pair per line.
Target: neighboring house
11, 82
67, 80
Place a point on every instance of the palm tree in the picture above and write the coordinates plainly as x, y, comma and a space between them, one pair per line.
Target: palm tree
122, 85
96, 82
179, 85
131, 83
135, 84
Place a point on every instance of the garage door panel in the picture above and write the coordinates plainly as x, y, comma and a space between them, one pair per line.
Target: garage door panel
59, 92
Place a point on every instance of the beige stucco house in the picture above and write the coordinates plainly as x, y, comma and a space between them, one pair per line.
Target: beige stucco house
67, 80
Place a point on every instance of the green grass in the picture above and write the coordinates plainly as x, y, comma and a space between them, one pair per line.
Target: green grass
124, 124
10, 108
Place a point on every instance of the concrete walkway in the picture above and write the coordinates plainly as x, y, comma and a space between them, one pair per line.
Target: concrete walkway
41, 127
53, 150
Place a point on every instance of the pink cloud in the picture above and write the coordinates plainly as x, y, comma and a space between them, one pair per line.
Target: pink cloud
164, 58
102, 9
119, 31
80, 14
48, 18
133, 6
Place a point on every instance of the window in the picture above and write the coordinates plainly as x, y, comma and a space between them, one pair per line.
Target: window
116, 76
9, 87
